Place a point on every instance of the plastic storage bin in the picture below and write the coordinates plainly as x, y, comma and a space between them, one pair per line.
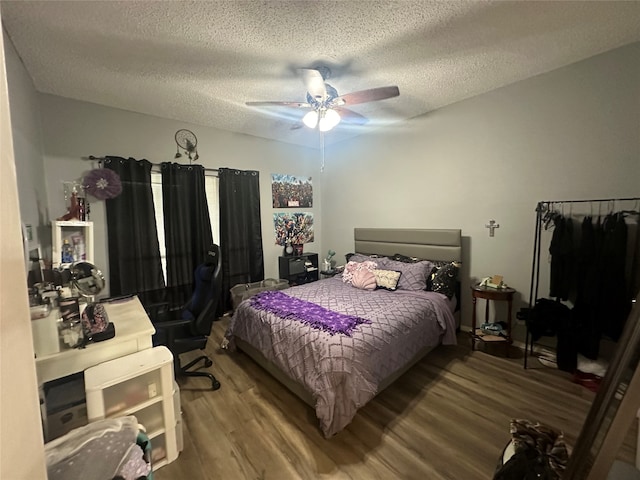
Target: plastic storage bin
140, 384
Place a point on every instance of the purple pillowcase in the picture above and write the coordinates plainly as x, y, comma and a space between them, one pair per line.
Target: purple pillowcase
414, 275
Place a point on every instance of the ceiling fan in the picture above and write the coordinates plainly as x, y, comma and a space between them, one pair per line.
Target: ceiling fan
327, 108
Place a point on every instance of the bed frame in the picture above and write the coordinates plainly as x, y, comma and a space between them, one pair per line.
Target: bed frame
432, 244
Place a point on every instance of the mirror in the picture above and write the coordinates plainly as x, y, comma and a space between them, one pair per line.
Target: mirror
86, 278
614, 408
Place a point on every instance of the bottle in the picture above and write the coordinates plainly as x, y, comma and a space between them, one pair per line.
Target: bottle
67, 252
78, 249
82, 216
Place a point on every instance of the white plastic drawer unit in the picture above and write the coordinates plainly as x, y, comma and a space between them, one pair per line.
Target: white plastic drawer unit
140, 384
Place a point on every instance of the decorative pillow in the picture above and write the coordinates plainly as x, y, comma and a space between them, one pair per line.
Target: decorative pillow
430, 278
437, 265
404, 259
414, 275
364, 279
352, 267
445, 279
387, 279
361, 257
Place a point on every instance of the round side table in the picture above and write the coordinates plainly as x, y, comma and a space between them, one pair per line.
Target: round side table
497, 295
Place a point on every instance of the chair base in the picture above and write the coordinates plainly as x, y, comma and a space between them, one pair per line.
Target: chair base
184, 371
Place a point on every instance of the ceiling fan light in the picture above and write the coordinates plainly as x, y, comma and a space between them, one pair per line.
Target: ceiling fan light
330, 119
311, 119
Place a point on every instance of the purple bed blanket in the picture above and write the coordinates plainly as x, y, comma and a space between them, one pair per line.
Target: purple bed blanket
312, 314
341, 371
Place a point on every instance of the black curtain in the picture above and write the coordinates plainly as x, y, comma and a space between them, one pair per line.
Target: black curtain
187, 227
134, 254
240, 229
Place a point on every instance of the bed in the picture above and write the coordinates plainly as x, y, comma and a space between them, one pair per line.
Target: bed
337, 367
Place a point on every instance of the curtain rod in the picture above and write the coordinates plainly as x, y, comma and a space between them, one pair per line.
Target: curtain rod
101, 159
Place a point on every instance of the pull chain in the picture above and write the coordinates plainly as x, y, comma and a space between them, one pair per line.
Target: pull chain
322, 151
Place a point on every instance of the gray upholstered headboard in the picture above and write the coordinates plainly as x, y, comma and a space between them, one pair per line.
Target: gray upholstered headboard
428, 244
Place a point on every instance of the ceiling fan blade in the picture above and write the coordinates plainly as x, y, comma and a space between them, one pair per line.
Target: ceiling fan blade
364, 96
314, 82
278, 104
351, 117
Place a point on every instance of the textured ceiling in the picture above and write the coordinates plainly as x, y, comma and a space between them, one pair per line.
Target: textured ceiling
198, 62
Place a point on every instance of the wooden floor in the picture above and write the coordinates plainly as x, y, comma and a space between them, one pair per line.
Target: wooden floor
447, 418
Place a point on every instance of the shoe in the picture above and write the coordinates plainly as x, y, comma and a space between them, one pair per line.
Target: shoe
546, 352
492, 329
587, 380
547, 362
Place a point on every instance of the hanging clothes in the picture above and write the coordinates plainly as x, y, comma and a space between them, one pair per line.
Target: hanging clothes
597, 270
614, 305
586, 311
562, 258
601, 306
632, 273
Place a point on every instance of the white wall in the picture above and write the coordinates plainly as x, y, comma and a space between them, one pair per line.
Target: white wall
21, 441
27, 136
569, 134
73, 130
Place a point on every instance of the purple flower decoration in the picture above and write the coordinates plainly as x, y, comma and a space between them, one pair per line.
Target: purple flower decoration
103, 183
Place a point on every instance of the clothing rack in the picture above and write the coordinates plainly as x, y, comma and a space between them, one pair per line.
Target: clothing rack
158, 165
542, 208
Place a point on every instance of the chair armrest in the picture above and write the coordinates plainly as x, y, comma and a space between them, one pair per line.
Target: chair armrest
171, 324
155, 309
160, 311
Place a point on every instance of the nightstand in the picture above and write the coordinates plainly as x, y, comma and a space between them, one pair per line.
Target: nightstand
497, 295
299, 269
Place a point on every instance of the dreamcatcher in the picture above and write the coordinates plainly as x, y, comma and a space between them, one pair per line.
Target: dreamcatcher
187, 141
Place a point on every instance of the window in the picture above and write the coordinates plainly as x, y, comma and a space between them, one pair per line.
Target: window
212, 190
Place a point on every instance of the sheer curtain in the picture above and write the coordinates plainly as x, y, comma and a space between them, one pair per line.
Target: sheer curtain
134, 254
187, 227
240, 229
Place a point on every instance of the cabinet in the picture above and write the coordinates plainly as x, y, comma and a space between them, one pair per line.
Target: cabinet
299, 269
497, 295
140, 384
74, 235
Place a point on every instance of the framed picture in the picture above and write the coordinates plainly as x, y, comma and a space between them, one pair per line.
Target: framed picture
293, 228
288, 191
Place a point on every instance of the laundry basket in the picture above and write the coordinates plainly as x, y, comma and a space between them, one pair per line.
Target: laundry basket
242, 291
103, 449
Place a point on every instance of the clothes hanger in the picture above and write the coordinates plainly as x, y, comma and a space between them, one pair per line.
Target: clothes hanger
634, 211
548, 216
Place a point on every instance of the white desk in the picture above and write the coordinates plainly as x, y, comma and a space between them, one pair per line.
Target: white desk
133, 333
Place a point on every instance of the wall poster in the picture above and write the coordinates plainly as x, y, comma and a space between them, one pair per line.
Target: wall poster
293, 228
289, 191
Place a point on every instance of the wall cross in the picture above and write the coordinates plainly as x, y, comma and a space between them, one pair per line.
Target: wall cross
492, 225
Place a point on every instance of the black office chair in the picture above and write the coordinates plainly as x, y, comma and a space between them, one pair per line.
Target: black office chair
192, 330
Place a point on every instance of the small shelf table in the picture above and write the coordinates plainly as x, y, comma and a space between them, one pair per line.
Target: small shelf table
497, 295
